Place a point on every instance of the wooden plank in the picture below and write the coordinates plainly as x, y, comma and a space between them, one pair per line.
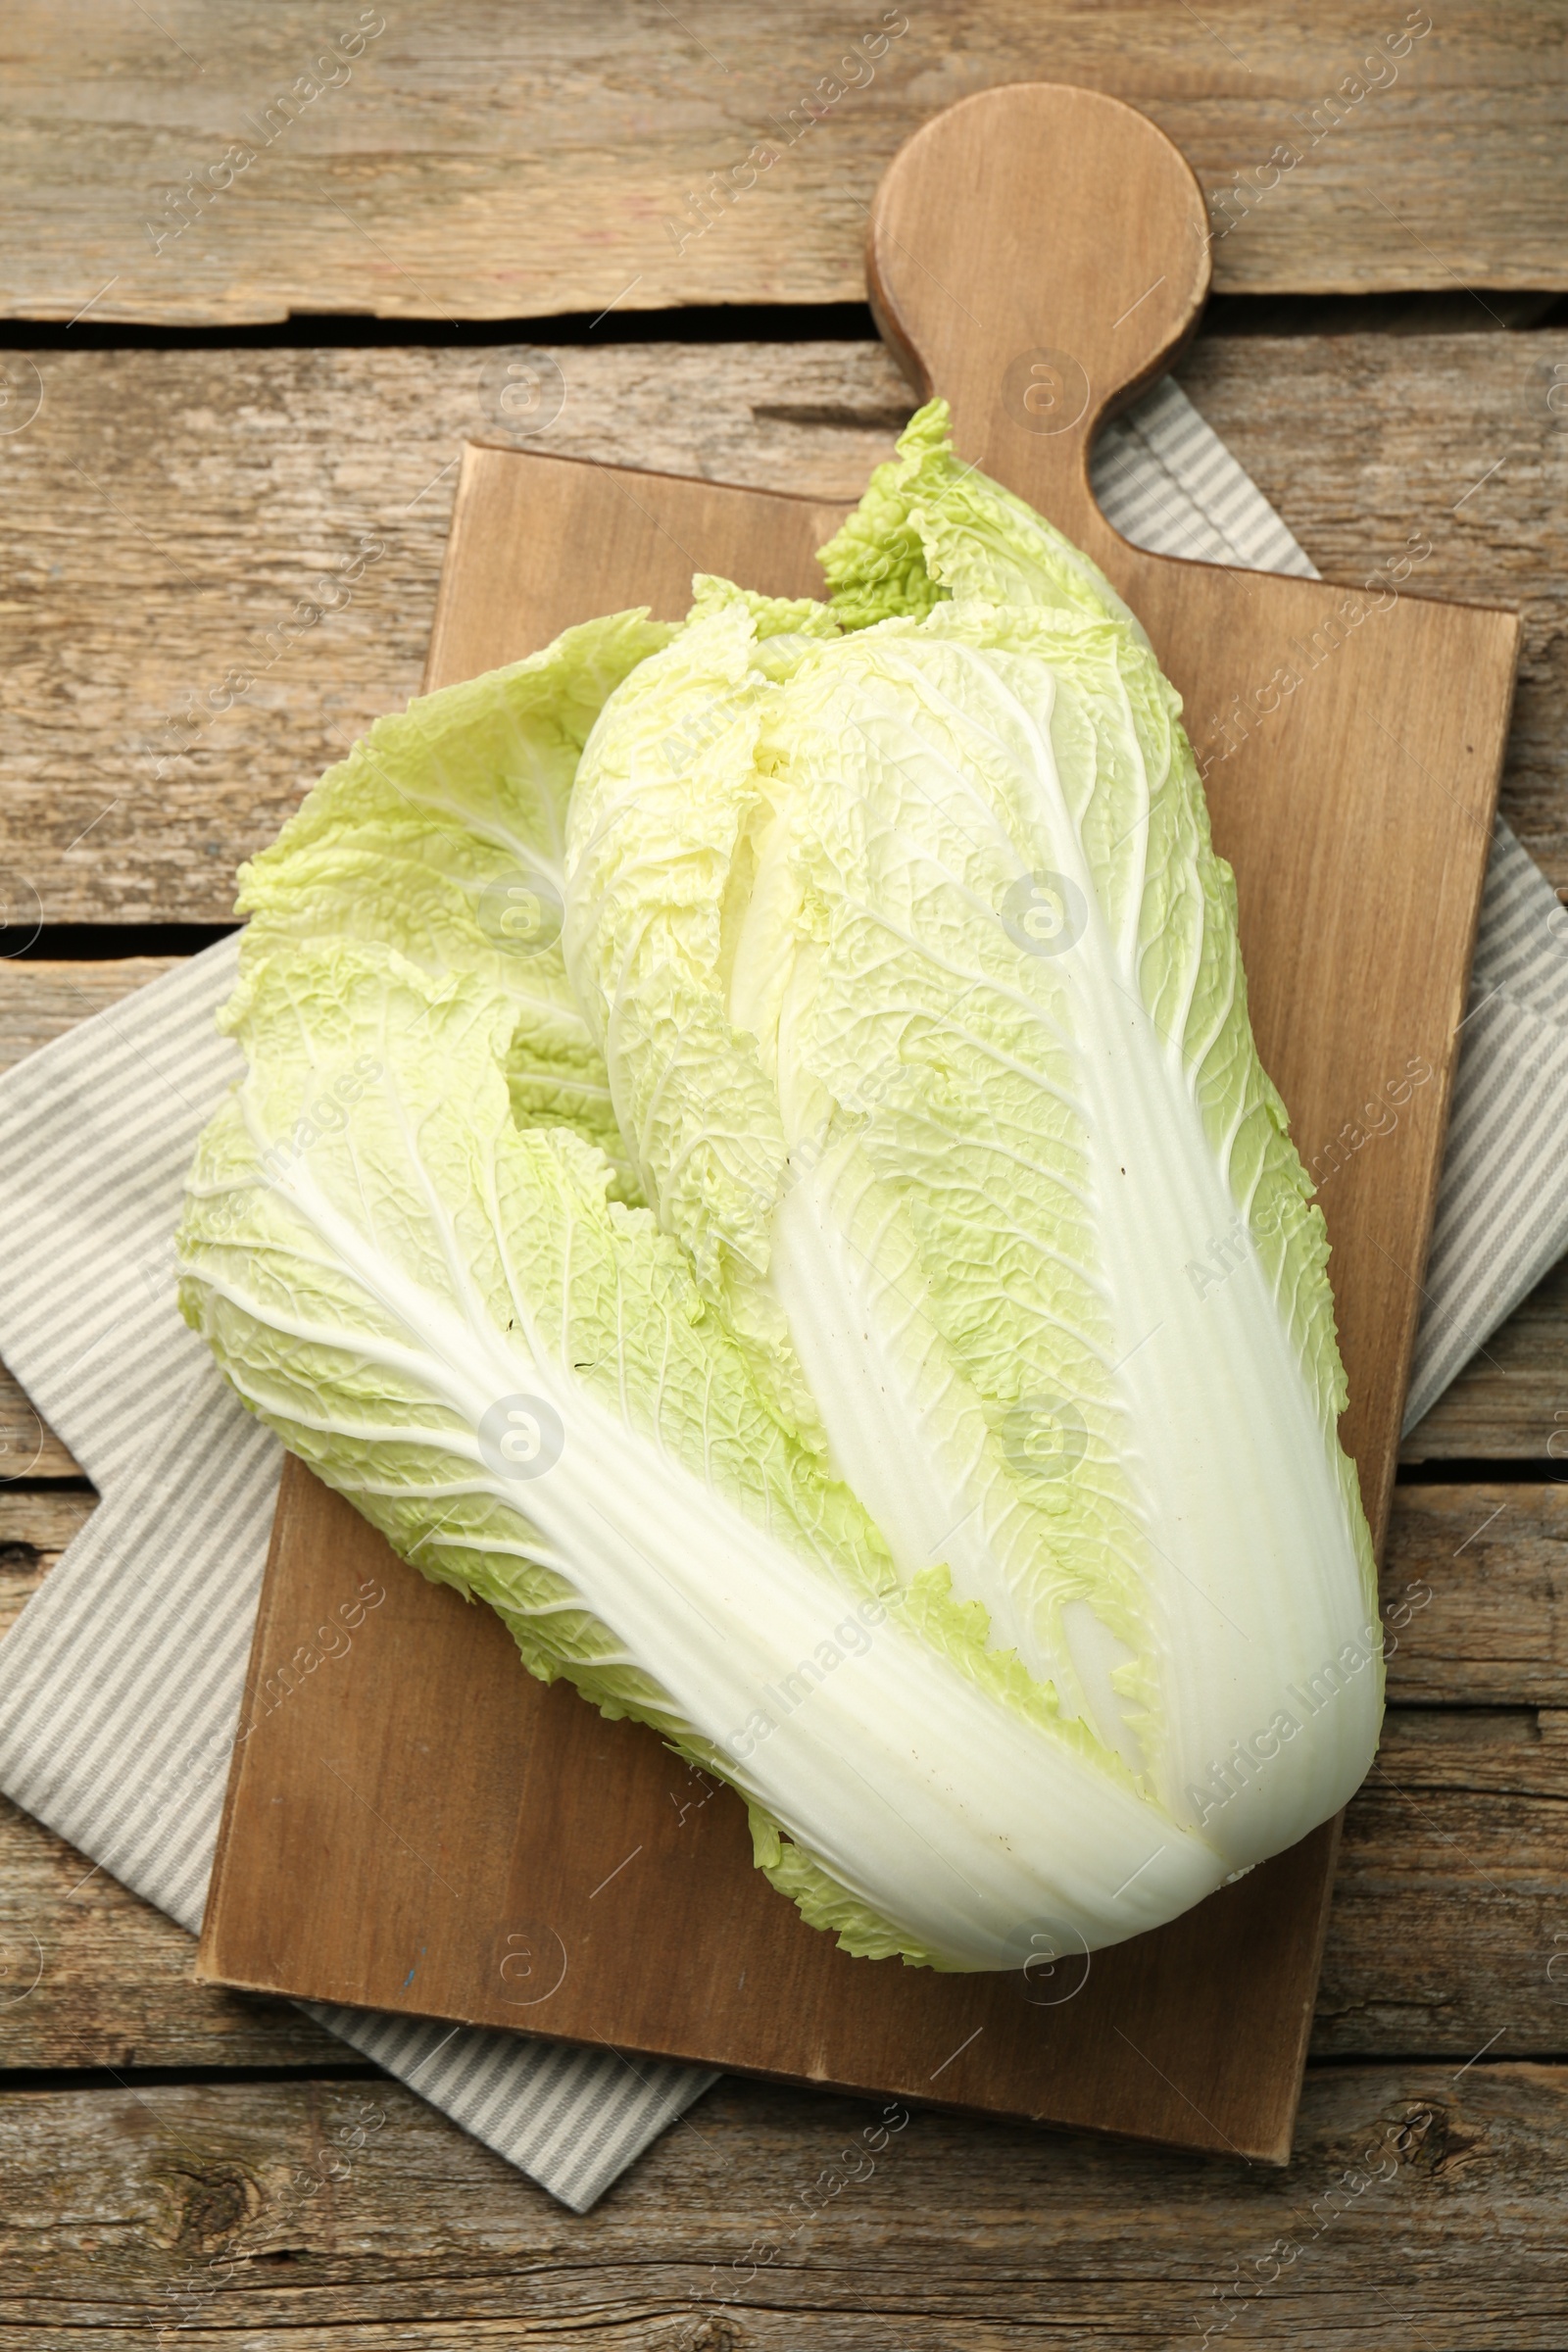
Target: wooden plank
92, 1976
1476, 1803
1510, 1403
1308, 820
34, 1529
1424, 2207
40, 998
38, 1002
1375, 454
28, 1446
1475, 1596
248, 485
453, 161
203, 561
118, 1987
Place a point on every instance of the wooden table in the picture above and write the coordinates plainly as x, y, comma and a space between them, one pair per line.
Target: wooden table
174, 504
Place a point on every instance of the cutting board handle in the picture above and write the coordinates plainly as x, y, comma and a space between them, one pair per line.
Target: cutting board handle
1038, 254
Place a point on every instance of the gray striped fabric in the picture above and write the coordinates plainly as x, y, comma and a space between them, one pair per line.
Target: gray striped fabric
1503, 1207
120, 1685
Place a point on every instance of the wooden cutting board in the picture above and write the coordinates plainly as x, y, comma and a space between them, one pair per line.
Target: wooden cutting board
412, 1823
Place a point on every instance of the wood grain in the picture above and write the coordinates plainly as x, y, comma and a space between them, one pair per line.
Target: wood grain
28, 1446
40, 998
1424, 2207
477, 162
1510, 1403
1475, 1596
92, 1976
537, 547
181, 514
40, 1001
1370, 457
34, 1529
171, 514
1476, 1803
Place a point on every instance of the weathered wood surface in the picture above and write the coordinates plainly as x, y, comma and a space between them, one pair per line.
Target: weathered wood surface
1451, 1900
1368, 456
468, 161
36, 1526
91, 1976
40, 998
176, 514
1510, 1403
1450, 1903
28, 1446
1425, 2207
178, 518
38, 1003
1474, 1596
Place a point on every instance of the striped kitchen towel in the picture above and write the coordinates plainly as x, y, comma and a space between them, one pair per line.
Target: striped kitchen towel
120, 1684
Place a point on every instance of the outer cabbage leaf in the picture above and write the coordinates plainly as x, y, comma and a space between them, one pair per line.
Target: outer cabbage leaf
977, 1071
443, 833
518, 1381
1146, 831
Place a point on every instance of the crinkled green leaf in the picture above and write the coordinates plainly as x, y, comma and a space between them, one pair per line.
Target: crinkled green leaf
443, 833
976, 1072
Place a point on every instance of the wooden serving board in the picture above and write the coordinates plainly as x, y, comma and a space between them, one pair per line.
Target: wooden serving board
413, 1823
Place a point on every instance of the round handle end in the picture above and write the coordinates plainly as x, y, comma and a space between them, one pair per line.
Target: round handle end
1037, 253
